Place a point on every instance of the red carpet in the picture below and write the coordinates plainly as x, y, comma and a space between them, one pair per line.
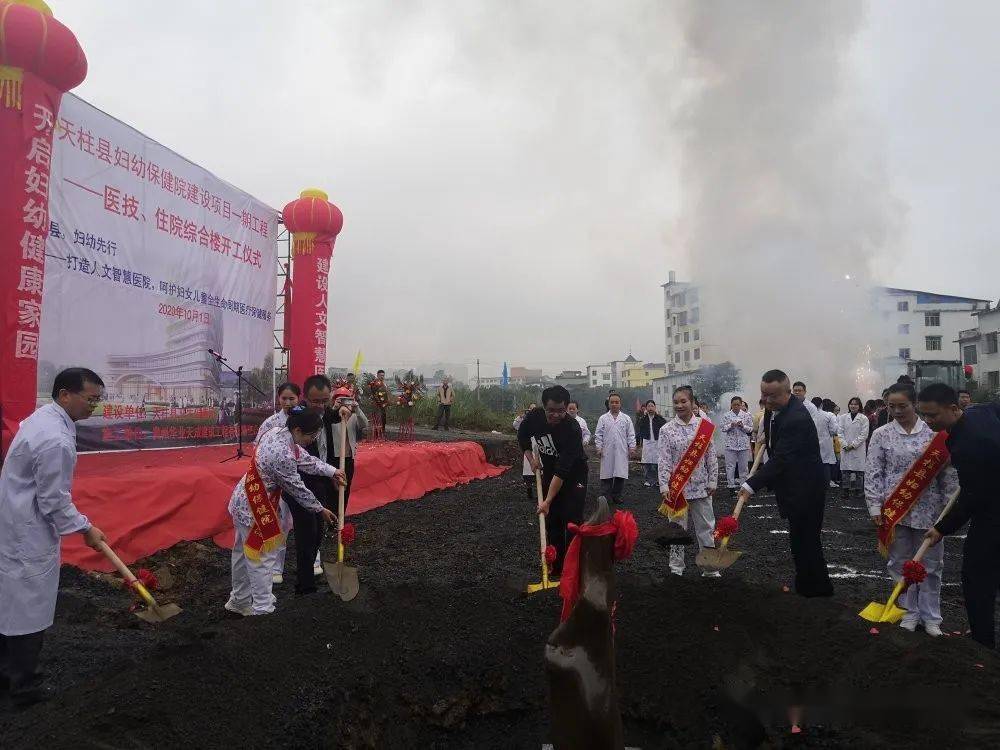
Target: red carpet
146, 501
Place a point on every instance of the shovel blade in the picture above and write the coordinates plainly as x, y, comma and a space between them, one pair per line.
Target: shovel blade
343, 580
716, 559
156, 613
876, 612
536, 587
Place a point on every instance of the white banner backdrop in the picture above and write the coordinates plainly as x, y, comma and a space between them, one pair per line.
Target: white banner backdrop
152, 261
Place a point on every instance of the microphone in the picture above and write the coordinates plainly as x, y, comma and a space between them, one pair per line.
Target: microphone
217, 355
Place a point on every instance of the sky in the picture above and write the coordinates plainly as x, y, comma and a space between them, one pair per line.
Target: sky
512, 173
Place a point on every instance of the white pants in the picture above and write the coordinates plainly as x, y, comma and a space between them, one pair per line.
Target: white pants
251, 580
285, 519
703, 515
922, 602
737, 465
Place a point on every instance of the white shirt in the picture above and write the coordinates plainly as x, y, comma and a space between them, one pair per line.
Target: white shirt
35, 511
614, 437
584, 428
736, 430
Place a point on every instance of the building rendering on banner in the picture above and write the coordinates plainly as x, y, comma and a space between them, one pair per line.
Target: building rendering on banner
183, 372
911, 325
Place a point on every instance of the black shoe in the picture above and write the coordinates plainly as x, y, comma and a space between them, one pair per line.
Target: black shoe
4, 683
305, 592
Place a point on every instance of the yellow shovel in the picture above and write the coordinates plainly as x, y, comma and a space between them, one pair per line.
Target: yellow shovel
343, 579
889, 612
721, 557
154, 612
542, 538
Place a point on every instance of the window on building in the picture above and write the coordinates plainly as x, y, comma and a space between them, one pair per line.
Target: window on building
697, 353
687, 355
993, 381
695, 314
687, 337
697, 334
933, 343
991, 343
593, 372
670, 368
970, 354
677, 358
682, 319
681, 300
903, 306
677, 338
607, 376
904, 328
904, 353
932, 319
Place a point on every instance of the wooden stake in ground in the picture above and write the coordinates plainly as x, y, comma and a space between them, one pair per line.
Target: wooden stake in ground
154, 612
342, 578
889, 612
542, 538
721, 557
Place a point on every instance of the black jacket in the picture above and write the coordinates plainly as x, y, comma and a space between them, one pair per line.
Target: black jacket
323, 487
794, 469
560, 446
642, 427
974, 443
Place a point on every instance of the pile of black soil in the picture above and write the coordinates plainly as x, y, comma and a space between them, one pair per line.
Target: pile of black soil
442, 650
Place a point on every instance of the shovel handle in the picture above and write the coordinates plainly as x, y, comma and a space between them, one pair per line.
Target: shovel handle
542, 537
127, 574
753, 470
341, 489
927, 542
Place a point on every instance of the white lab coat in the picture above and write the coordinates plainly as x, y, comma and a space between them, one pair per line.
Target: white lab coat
854, 433
826, 427
614, 438
584, 429
35, 510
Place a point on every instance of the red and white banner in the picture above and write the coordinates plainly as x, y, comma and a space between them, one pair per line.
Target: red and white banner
150, 261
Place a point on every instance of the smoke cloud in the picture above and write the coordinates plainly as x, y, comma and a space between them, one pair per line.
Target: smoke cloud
786, 213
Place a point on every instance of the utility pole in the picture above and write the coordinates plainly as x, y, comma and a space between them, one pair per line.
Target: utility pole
477, 378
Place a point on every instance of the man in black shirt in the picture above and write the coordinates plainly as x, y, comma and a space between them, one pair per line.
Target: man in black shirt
974, 444
563, 464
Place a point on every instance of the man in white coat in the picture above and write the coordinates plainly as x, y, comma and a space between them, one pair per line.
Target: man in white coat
35, 511
827, 428
615, 442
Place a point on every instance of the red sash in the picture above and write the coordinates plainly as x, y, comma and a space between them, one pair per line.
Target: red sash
675, 506
265, 532
916, 479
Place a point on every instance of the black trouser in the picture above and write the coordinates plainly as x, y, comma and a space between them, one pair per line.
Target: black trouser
567, 507
804, 530
444, 412
309, 527
19, 659
529, 485
980, 581
612, 489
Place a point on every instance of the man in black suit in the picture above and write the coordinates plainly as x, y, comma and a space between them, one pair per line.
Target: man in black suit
795, 472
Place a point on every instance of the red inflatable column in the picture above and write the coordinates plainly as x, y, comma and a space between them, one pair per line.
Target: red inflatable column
39, 60
314, 223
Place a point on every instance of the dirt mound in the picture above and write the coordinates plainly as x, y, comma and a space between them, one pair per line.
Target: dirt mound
441, 650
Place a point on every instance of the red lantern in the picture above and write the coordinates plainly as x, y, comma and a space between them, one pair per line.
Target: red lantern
969, 371
314, 223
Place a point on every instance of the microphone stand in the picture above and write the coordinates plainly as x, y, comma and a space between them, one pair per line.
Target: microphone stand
238, 372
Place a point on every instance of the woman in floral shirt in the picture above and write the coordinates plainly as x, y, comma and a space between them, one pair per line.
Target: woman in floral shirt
279, 461
893, 449
675, 437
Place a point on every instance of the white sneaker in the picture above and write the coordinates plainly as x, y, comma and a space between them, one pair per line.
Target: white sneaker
677, 571
834, 484
277, 578
245, 610
317, 566
909, 623
647, 484
711, 574
934, 631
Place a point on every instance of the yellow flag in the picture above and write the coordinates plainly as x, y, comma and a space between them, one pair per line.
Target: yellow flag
357, 364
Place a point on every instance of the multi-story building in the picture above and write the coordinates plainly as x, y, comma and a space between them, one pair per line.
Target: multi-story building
917, 325
526, 376
910, 325
599, 376
642, 375
980, 350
